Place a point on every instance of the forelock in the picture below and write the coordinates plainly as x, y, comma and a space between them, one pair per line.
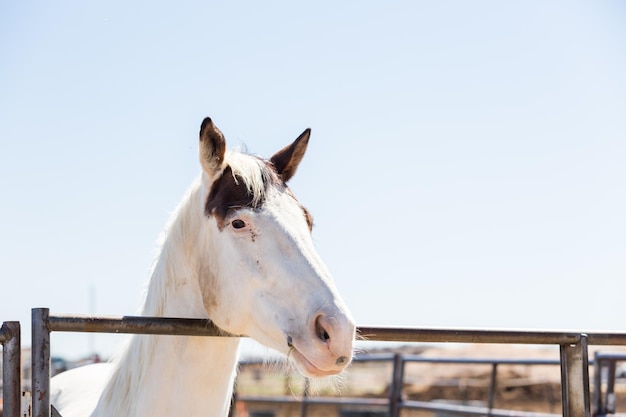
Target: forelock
255, 174
243, 183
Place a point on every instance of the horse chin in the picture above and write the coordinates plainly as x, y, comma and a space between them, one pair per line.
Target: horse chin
307, 368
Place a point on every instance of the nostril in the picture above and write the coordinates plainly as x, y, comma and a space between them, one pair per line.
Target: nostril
320, 330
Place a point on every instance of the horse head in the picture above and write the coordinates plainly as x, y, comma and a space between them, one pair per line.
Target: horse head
261, 275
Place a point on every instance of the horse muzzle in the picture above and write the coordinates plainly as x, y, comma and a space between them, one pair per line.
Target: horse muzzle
326, 349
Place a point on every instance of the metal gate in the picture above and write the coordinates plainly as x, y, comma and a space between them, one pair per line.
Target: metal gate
573, 348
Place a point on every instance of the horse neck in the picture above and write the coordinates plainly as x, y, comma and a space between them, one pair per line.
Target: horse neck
174, 375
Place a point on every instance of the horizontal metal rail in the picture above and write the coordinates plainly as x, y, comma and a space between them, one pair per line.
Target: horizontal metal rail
11, 368
134, 324
481, 361
290, 399
464, 410
524, 337
205, 327
610, 356
429, 335
574, 360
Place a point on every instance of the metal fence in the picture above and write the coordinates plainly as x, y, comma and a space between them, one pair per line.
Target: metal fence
11, 368
574, 359
605, 362
395, 401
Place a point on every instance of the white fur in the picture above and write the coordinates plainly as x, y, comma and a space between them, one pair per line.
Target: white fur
265, 281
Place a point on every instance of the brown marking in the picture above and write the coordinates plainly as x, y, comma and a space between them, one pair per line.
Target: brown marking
286, 160
308, 217
307, 214
209, 289
228, 192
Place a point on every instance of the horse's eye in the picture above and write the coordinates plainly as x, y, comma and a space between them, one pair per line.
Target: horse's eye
238, 224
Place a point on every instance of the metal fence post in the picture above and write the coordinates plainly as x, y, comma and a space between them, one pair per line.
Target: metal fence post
395, 390
610, 387
305, 397
11, 368
575, 379
491, 396
597, 384
40, 362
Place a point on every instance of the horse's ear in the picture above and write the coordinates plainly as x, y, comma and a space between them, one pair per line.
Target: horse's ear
286, 160
212, 147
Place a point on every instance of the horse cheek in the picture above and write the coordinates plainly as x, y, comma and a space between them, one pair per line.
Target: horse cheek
209, 290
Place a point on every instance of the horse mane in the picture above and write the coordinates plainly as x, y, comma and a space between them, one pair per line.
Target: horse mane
174, 267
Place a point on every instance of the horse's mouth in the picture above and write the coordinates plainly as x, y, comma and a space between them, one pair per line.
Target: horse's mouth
307, 368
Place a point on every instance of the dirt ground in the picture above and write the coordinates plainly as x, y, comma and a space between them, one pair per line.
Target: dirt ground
518, 387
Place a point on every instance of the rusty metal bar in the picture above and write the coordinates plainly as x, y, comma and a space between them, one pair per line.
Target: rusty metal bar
606, 339
575, 379
134, 324
11, 368
443, 335
205, 327
425, 335
40, 362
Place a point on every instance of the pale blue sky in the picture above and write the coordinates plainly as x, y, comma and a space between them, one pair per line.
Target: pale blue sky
466, 167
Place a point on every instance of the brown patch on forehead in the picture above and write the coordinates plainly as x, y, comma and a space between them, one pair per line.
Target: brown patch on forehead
228, 192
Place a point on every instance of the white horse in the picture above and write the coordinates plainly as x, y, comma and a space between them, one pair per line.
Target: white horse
238, 250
